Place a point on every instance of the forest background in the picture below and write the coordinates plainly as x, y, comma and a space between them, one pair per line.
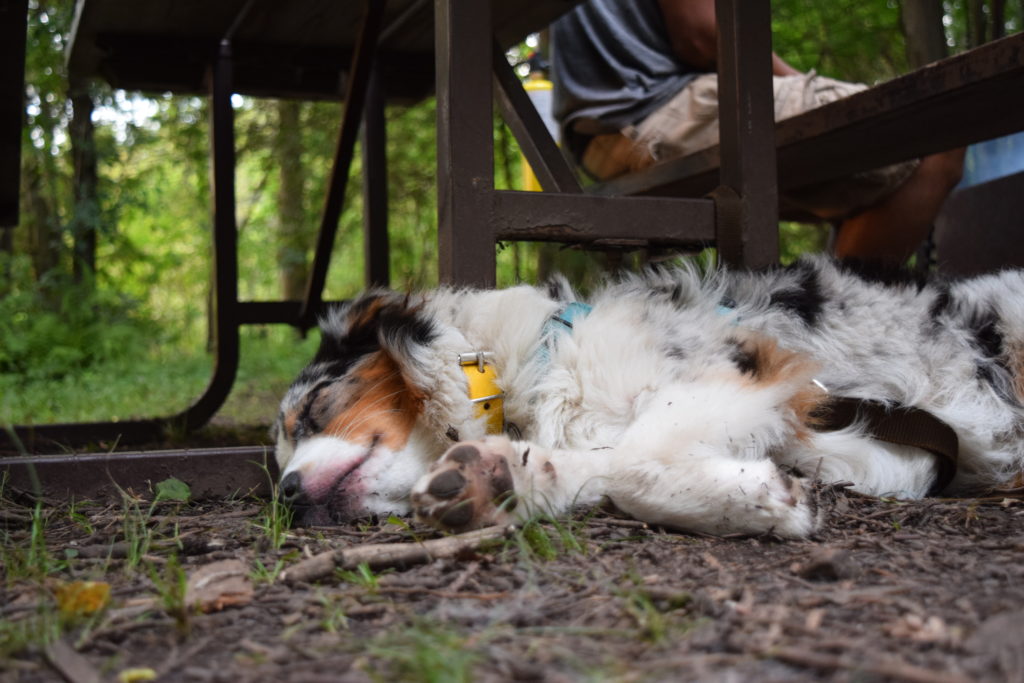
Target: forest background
104, 284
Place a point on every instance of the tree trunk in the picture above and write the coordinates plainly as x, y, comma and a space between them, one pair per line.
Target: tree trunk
976, 23
923, 31
85, 216
39, 218
293, 232
998, 19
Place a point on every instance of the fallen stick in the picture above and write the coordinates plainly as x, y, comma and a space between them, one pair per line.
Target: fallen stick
378, 555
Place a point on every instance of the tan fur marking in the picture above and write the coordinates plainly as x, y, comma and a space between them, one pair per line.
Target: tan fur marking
289, 423
774, 365
382, 406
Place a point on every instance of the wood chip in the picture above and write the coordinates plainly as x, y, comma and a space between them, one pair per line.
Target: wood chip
218, 585
72, 666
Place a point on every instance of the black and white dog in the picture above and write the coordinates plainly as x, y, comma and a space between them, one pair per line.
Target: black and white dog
699, 403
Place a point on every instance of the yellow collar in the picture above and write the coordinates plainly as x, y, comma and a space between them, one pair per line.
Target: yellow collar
484, 392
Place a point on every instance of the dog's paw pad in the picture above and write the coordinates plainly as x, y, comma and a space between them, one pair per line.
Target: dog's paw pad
469, 487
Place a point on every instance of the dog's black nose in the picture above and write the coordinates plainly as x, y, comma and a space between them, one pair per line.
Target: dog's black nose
290, 489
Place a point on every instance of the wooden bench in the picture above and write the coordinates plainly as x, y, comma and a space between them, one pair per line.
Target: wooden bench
973, 96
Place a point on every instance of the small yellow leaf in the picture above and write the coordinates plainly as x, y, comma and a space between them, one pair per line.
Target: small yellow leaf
135, 675
81, 598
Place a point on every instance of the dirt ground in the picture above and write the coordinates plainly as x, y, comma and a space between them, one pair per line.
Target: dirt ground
929, 591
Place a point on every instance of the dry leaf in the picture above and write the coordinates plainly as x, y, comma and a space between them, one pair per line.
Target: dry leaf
82, 598
218, 585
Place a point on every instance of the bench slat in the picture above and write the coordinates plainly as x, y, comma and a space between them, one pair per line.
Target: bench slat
974, 96
582, 219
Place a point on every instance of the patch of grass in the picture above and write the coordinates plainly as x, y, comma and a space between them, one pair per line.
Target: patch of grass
31, 633
657, 618
363, 577
649, 619
159, 380
332, 613
170, 584
275, 518
136, 527
30, 559
426, 652
135, 530
546, 539
262, 573
78, 519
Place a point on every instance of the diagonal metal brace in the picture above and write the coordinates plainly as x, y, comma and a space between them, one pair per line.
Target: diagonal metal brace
355, 100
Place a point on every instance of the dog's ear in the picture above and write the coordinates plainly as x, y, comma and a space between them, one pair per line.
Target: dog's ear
379, 320
559, 289
373, 321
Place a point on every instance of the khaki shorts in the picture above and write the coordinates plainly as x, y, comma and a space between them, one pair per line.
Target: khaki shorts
689, 123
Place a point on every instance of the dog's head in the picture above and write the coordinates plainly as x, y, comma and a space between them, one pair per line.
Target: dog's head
365, 418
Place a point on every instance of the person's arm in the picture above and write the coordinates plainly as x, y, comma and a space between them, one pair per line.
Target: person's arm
693, 32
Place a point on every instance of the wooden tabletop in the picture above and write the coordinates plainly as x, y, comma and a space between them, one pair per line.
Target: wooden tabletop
299, 48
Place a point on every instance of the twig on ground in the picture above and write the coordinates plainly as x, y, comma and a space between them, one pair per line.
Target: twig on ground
391, 554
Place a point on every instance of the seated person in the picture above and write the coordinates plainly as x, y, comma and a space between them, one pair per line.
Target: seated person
635, 84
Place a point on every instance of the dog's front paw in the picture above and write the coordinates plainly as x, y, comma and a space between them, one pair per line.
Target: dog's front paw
469, 487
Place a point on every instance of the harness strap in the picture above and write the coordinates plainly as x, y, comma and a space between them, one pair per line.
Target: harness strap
903, 425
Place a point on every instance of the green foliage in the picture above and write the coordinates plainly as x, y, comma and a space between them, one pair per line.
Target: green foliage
173, 489
854, 41
54, 328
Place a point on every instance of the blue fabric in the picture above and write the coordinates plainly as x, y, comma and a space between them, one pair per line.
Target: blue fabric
571, 312
612, 66
560, 322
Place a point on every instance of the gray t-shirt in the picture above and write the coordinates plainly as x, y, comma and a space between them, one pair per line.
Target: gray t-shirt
612, 65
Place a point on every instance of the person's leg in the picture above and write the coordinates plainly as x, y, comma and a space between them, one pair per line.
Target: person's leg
889, 231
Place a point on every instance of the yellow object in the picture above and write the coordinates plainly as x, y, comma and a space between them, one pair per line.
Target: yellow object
82, 598
484, 391
539, 90
135, 675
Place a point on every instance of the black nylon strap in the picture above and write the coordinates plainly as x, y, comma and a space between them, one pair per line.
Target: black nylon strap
902, 425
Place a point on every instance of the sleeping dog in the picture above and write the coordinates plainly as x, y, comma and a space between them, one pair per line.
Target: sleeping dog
700, 402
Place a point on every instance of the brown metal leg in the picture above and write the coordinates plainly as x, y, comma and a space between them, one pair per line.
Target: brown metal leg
225, 245
13, 24
225, 306
375, 185
465, 142
746, 119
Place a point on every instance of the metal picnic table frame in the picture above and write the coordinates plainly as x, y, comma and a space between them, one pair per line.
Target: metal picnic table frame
470, 69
